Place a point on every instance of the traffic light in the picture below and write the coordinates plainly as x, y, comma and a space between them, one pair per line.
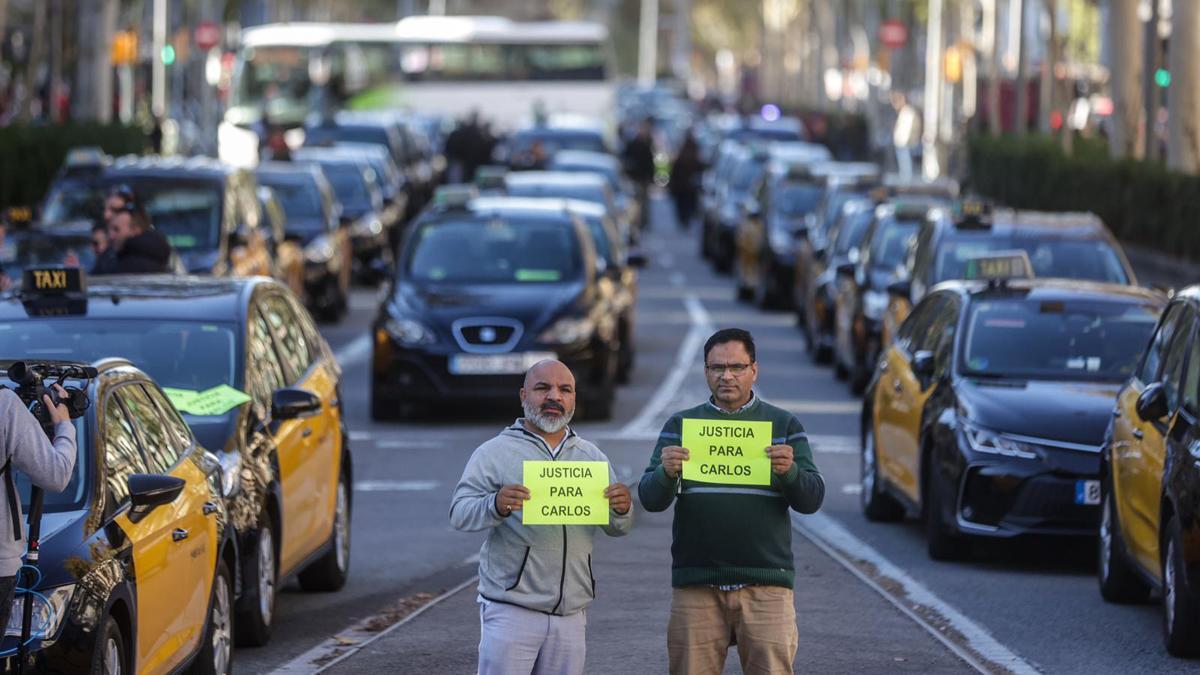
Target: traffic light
168, 55
124, 48
1162, 77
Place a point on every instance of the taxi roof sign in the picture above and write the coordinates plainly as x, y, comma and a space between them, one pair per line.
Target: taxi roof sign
454, 196
999, 266
54, 291
973, 213
490, 177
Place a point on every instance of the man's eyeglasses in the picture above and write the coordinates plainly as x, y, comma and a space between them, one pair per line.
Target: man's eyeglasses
737, 369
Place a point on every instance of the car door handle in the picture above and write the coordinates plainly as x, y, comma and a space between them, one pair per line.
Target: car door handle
1116, 412
1137, 433
896, 386
306, 433
209, 508
179, 534
883, 366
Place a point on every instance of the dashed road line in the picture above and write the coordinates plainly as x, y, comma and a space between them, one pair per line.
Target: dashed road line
962, 636
395, 485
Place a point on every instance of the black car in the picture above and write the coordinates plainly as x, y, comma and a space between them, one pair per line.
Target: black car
484, 289
313, 221
820, 305
356, 188
403, 137
987, 412
861, 291
749, 166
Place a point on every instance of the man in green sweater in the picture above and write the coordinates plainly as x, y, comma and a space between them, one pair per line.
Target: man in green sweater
732, 570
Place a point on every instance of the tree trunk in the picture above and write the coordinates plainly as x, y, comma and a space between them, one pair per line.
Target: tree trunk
1183, 146
37, 55
1125, 36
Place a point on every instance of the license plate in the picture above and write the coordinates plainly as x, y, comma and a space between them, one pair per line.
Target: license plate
496, 364
1087, 492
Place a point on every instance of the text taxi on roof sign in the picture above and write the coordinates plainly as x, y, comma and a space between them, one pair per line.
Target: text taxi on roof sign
258, 387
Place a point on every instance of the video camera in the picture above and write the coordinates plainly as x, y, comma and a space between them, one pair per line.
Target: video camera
31, 380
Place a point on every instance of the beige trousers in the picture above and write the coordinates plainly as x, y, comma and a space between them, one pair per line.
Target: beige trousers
705, 621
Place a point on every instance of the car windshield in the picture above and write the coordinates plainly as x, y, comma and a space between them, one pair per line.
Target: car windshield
889, 244
74, 200
1056, 340
553, 141
587, 193
349, 185
301, 203
600, 239
188, 212
796, 199
1084, 259
343, 134
181, 354
853, 228
38, 248
745, 174
495, 251
72, 497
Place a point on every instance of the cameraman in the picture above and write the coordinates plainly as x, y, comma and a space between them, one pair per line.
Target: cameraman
25, 448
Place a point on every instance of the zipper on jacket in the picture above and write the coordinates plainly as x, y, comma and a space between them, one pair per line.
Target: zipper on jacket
521, 571
562, 579
591, 576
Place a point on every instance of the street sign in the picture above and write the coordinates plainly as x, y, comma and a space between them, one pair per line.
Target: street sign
207, 35
893, 33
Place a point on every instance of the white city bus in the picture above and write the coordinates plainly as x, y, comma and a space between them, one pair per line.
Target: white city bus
441, 65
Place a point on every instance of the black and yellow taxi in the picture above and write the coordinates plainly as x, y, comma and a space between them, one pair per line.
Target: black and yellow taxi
841, 182
1150, 479
766, 237
258, 387
1064, 245
486, 287
820, 301
987, 412
861, 296
137, 565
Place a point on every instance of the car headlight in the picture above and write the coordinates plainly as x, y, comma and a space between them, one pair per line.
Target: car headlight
875, 304
568, 330
992, 443
409, 332
369, 226
319, 250
781, 241
49, 610
231, 472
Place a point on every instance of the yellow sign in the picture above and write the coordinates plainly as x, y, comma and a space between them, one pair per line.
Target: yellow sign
216, 401
729, 452
565, 493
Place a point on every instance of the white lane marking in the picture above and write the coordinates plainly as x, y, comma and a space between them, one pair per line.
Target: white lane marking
815, 407
852, 489
471, 559
356, 350
399, 443
395, 485
975, 644
359, 436
353, 639
685, 360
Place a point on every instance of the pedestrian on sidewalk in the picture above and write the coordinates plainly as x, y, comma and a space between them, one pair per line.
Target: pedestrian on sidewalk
732, 570
686, 172
535, 581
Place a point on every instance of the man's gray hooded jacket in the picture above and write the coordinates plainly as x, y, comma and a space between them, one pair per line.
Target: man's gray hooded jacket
544, 568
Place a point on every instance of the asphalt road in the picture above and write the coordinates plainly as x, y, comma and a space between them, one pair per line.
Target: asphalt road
1038, 599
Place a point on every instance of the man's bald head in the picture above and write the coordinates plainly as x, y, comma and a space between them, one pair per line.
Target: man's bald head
548, 397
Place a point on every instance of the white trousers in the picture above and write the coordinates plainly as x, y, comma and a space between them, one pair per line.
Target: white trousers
517, 641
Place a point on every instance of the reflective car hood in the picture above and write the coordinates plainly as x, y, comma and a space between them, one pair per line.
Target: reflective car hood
534, 305
1075, 412
199, 261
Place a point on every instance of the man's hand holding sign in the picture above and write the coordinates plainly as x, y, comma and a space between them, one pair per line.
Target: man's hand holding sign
727, 452
564, 493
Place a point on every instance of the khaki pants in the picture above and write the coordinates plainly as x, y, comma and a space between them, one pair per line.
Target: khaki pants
705, 621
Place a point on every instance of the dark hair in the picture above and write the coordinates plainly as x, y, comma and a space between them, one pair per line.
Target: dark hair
99, 227
731, 335
131, 205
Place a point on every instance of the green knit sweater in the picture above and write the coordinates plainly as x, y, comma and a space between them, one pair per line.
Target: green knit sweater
730, 535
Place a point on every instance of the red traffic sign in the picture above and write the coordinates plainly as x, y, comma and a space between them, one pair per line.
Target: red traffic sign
207, 35
893, 34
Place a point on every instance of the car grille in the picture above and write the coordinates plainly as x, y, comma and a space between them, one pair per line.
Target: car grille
487, 335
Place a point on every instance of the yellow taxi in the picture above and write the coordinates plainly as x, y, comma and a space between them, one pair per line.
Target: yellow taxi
1150, 478
258, 386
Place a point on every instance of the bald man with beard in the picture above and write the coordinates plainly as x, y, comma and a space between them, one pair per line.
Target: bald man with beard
535, 581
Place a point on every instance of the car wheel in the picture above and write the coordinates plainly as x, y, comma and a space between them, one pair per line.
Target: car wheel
1181, 609
216, 647
941, 542
1119, 581
261, 575
877, 505
330, 571
626, 356
110, 657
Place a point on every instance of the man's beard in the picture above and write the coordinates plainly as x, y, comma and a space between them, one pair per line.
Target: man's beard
548, 424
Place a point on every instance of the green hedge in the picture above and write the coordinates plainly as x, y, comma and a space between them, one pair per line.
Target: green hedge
1142, 202
31, 155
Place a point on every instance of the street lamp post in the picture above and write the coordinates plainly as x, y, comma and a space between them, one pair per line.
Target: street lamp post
648, 43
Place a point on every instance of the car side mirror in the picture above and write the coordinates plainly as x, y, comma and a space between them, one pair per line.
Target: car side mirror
1152, 403
922, 364
150, 491
800, 233
290, 403
845, 270
900, 289
636, 259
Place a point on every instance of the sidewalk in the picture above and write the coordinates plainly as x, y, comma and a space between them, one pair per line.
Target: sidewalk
844, 625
